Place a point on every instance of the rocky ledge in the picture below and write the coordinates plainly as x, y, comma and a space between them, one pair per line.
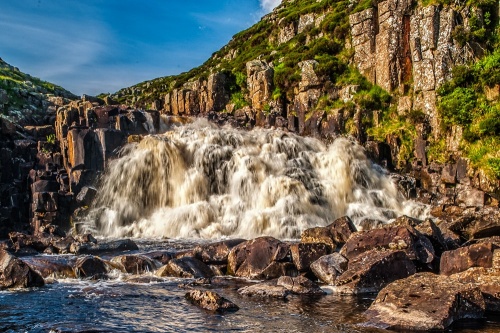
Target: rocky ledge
424, 274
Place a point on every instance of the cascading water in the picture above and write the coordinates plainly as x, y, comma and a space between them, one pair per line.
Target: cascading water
200, 180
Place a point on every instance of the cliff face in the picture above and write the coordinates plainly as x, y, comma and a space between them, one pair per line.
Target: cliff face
298, 68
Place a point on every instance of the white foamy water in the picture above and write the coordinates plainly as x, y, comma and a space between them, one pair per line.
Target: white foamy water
203, 181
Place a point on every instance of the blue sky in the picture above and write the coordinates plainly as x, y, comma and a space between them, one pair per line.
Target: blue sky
96, 46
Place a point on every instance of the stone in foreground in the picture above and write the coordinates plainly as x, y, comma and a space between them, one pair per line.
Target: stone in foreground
211, 301
373, 270
90, 267
424, 302
459, 260
15, 273
186, 267
266, 289
134, 264
328, 267
300, 285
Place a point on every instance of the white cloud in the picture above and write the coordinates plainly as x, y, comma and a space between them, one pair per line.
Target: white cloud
269, 5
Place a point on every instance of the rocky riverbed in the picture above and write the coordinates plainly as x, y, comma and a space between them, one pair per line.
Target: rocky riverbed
419, 276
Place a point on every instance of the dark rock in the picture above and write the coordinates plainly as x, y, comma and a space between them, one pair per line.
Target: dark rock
329, 267
134, 264
266, 289
424, 301
104, 247
63, 245
300, 285
53, 230
85, 238
51, 266
449, 174
15, 273
304, 255
260, 258
430, 230
90, 267
44, 186
373, 270
162, 257
186, 267
459, 260
342, 229
211, 301
369, 224
487, 280
86, 196
405, 238
217, 253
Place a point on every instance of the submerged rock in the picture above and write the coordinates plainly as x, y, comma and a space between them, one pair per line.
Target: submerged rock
51, 266
211, 301
15, 273
425, 301
266, 289
300, 285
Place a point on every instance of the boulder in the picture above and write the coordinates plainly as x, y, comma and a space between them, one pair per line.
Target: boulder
86, 196
134, 264
211, 301
318, 235
459, 260
216, 253
304, 254
104, 247
90, 267
15, 273
186, 267
373, 270
329, 267
405, 238
62, 245
162, 257
341, 229
424, 301
260, 258
51, 266
266, 289
487, 280
300, 285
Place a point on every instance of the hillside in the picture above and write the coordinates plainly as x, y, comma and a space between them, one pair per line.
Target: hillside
26, 99
421, 76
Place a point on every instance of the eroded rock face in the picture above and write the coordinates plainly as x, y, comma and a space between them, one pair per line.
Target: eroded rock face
373, 270
260, 258
211, 301
259, 83
425, 301
15, 273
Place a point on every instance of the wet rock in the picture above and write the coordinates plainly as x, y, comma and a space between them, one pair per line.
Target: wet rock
104, 247
459, 260
22, 241
53, 267
134, 264
304, 255
90, 267
217, 253
342, 229
186, 267
329, 267
300, 285
86, 196
487, 280
260, 258
15, 273
424, 301
266, 289
430, 230
63, 245
85, 238
52, 230
405, 238
373, 270
211, 301
162, 257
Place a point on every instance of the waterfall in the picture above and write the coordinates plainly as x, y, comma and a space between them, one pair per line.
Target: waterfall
200, 180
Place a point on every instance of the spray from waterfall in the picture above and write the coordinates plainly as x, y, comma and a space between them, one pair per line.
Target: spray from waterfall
204, 181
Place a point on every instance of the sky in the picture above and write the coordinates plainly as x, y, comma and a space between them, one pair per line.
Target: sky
101, 46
